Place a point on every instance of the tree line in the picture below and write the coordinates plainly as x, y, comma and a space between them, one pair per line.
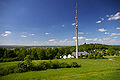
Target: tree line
53, 53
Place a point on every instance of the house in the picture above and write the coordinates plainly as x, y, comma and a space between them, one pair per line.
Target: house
119, 51
83, 53
64, 56
101, 52
70, 56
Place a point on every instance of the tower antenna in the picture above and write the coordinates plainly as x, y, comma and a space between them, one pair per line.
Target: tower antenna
76, 32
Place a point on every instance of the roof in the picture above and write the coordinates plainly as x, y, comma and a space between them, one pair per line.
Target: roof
83, 53
100, 51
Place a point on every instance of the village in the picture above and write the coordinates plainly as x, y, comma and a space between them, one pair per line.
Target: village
85, 54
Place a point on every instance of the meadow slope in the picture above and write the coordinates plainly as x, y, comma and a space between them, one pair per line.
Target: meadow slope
91, 69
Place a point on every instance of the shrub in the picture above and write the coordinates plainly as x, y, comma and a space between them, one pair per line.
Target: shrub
64, 65
86, 55
3, 72
75, 64
55, 65
81, 56
90, 56
9, 59
28, 61
94, 56
44, 65
98, 56
21, 67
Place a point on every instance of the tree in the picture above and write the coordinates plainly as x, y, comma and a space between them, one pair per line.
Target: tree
67, 51
2, 50
61, 52
22, 53
9, 54
34, 55
55, 51
28, 60
81, 55
111, 51
49, 53
72, 49
41, 54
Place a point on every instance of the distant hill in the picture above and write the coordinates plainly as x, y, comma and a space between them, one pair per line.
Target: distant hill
16, 46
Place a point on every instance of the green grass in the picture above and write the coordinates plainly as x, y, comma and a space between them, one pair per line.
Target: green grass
92, 69
111, 56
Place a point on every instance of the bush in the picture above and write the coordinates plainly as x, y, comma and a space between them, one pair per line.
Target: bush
99, 56
41, 66
3, 71
28, 61
21, 67
90, 56
75, 64
64, 65
81, 56
55, 65
94, 56
44, 65
86, 55
9, 59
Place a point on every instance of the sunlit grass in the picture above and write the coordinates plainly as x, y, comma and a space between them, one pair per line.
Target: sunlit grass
92, 69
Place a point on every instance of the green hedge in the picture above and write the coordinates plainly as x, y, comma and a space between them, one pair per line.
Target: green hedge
9, 59
22, 67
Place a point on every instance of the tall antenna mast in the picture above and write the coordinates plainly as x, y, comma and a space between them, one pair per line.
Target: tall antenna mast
76, 33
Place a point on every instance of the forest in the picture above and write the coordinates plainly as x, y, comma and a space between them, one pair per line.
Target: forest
18, 54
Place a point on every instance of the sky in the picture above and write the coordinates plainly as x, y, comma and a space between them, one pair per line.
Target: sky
52, 22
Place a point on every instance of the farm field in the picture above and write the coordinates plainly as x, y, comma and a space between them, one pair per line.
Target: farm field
91, 69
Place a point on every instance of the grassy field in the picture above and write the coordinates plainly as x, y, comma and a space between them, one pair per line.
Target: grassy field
91, 69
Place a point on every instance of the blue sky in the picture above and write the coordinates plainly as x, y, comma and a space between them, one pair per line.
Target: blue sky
51, 22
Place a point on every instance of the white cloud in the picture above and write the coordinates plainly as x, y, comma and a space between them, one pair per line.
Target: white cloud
114, 17
51, 40
100, 40
73, 24
23, 36
102, 30
115, 37
62, 41
98, 21
32, 34
6, 33
63, 25
118, 28
107, 15
106, 39
79, 37
114, 41
47, 33
106, 33
80, 33
91, 39
113, 34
